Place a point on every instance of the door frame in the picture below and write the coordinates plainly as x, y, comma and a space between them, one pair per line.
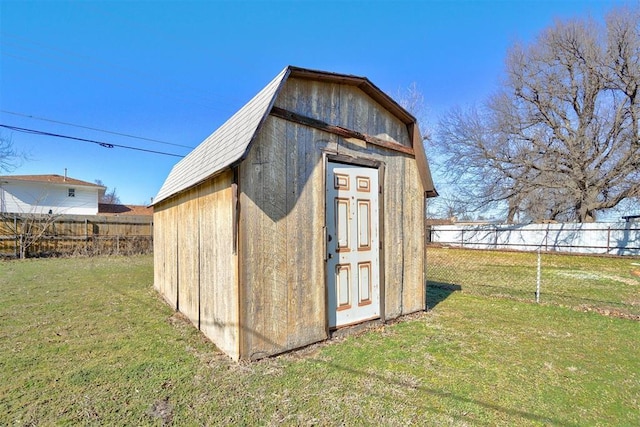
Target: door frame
364, 162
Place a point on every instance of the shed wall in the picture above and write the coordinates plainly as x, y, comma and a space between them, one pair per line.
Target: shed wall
281, 219
403, 228
282, 277
196, 267
218, 264
403, 195
165, 250
342, 105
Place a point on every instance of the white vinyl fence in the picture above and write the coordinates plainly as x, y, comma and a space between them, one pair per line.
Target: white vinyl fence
613, 238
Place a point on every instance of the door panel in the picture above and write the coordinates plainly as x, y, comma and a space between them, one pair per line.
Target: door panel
342, 224
364, 276
343, 287
353, 284
364, 225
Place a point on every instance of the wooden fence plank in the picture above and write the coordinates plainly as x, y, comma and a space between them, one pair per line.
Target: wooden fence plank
79, 235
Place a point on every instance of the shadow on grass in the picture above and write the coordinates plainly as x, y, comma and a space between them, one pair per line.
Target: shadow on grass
465, 417
438, 292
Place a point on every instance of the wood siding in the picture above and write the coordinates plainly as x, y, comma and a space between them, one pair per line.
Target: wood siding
218, 264
403, 209
271, 296
195, 266
281, 241
342, 105
282, 272
165, 245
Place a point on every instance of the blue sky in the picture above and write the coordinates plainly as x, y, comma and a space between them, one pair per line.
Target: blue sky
175, 71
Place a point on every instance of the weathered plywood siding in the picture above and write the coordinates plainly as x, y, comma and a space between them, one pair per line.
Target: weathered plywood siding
403, 238
414, 295
188, 255
195, 266
393, 242
165, 241
158, 251
218, 264
281, 275
342, 105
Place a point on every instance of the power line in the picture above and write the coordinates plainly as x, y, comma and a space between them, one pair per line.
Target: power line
93, 141
96, 129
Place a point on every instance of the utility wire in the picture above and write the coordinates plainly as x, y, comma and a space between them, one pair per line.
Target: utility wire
100, 143
96, 129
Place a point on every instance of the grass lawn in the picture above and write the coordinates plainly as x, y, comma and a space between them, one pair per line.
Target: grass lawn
88, 341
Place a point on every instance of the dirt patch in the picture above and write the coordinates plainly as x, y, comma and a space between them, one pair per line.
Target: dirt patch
577, 274
625, 280
583, 275
163, 410
610, 312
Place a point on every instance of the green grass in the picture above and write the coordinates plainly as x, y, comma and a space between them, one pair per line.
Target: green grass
605, 284
88, 341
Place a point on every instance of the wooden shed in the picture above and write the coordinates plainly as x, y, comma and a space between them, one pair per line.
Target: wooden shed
303, 213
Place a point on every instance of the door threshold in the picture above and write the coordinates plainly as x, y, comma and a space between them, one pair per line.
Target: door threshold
355, 327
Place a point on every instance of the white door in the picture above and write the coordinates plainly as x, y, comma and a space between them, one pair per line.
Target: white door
353, 269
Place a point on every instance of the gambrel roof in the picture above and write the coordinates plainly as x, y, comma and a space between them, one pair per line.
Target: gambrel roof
230, 143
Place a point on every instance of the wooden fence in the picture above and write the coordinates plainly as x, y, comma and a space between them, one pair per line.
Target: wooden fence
76, 235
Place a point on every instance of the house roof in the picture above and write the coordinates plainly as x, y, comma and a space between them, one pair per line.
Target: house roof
109, 209
50, 179
230, 143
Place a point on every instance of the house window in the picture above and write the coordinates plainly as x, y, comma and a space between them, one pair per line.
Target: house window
72, 192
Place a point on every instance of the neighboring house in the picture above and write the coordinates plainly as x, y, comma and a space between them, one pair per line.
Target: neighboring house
109, 209
303, 213
48, 194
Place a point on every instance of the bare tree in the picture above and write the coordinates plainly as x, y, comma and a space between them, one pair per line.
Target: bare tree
9, 156
27, 228
109, 197
447, 205
561, 140
412, 100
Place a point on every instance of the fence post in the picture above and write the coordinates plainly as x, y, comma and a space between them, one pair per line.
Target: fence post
546, 239
608, 238
15, 230
538, 277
